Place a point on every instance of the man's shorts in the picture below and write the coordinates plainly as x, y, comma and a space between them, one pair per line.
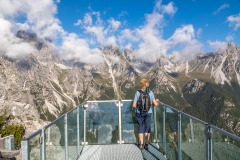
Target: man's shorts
144, 122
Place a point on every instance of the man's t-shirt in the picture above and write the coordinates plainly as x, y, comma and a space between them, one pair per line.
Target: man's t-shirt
136, 97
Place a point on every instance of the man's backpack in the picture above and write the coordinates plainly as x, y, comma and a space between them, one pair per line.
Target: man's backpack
144, 101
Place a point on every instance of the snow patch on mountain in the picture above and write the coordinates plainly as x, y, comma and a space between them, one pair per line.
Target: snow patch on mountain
62, 91
51, 108
59, 100
62, 66
207, 65
218, 73
187, 68
109, 64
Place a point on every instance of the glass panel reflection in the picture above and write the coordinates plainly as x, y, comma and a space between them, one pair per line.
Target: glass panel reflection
171, 122
159, 126
129, 123
35, 147
225, 147
193, 144
55, 142
72, 134
102, 123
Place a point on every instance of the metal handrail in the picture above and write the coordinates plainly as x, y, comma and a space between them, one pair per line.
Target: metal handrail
234, 136
32, 135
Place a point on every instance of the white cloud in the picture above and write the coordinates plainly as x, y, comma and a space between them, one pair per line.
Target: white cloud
128, 34
169, 9
103, 33
96, 31
40, 17
165, 9
199, 32
185, 34
122, 14
147, 39
87, 20
78, 23
183, 40
23, 26
222, 7
114, 24
218, 46
234, 21
74, 47
36, 16
229, 38
10, 45
190, 50
111, 40
150, 41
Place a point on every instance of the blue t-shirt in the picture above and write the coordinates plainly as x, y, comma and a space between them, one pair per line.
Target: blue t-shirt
136, 97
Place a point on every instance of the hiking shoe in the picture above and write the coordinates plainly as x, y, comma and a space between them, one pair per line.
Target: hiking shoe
146, 146
141, 147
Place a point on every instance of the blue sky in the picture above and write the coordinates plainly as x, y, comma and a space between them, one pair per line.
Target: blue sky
156, 27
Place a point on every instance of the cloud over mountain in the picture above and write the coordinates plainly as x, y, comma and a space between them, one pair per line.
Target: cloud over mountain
95, 30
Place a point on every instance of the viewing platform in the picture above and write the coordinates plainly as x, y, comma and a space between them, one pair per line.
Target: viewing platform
104, 130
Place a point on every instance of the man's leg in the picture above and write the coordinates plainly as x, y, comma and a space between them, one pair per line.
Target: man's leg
148, 130
140, 129
147, 138
140, 136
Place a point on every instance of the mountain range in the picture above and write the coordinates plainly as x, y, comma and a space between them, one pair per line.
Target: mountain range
39, 87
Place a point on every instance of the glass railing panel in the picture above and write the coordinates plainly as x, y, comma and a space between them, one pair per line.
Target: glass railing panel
102, 122
72, 134
55, 140
152, 127
35, 147
158, 135
129, 123
193, 142
224, 147
171, 123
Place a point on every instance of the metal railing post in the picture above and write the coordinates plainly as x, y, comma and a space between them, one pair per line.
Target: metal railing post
209, 135
120, 121
66, 135
192, 133
25, 151
85, 124
78, 132
179, 135
164, 130
43, 144
155, 124
9, 143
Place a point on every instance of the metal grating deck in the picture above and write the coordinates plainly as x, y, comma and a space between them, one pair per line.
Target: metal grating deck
120, 152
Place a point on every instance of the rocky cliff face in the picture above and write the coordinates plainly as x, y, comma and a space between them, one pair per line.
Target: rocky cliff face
40, 87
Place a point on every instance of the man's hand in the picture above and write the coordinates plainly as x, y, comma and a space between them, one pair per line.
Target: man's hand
134, 105
156, 102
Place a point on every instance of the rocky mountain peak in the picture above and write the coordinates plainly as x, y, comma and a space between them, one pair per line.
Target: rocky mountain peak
195, 86
26, 36
30, 37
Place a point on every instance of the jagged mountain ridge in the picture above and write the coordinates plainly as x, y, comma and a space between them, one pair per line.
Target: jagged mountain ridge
42, 86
